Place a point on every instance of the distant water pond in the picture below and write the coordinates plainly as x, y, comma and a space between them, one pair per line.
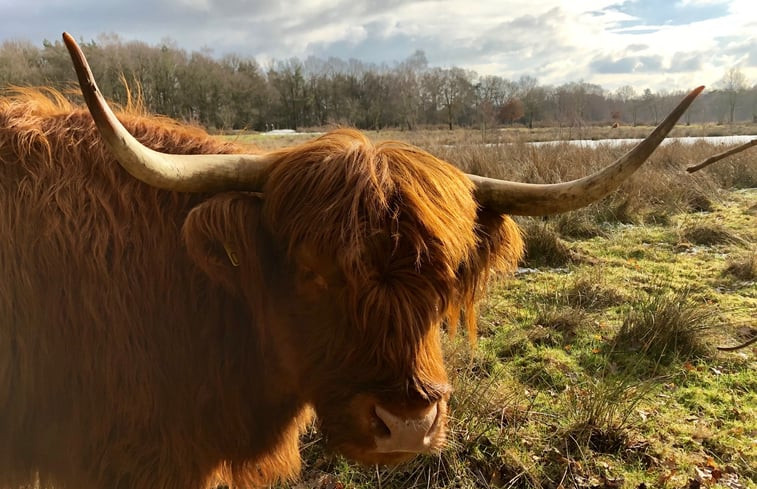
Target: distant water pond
593, 143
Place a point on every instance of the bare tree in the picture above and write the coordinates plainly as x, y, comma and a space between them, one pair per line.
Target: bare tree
288, 79
733, 84
408, 84
624, 97
456, 91
651, 102
492, 92
533, 97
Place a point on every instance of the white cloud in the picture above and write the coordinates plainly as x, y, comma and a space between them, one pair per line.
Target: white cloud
683, 43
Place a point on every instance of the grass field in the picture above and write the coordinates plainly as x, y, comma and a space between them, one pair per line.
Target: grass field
597, 365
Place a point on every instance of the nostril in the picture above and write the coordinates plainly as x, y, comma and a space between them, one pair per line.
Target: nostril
435, 424
379, 425
432, 420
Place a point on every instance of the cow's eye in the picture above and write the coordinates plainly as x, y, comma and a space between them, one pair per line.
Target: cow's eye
312, 280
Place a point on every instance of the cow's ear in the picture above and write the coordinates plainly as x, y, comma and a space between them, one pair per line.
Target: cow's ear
500, 242
500, 248
221, 237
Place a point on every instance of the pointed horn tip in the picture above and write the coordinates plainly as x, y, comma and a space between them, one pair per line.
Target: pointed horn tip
692, 95
73, 48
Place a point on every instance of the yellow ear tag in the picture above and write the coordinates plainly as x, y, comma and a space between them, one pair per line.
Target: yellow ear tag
233, 258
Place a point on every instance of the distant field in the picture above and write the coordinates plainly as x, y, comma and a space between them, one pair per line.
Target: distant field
597, 364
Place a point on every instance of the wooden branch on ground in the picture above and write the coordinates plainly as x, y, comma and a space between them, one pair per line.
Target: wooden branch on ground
712, 159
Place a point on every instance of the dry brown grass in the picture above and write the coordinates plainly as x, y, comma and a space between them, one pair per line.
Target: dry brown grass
659, 190
660, 185
507, 154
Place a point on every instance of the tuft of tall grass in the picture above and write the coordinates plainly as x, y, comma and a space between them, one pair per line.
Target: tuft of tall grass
555, 325
486, 414
598, 411
743, 266
738, 171
596, 415
544, 248
668, 325
592, 291
708, 234
698, 201
579, 224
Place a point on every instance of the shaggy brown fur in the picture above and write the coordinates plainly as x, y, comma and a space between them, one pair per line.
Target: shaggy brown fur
134, 354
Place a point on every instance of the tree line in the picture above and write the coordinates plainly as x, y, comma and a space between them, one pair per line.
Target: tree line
234, 92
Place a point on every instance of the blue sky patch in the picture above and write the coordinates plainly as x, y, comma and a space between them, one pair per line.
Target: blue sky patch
660, 12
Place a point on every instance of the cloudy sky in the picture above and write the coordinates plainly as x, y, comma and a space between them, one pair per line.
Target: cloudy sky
657, 44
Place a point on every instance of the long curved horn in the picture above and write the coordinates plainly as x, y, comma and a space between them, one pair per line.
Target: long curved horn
541, 199
725, 154
184, 173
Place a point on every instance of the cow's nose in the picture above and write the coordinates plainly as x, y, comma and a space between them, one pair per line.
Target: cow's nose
414, 433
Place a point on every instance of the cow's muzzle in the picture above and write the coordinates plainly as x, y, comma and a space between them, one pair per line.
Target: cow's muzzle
416, 432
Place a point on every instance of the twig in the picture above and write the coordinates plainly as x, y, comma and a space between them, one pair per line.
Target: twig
738, 347
712, 159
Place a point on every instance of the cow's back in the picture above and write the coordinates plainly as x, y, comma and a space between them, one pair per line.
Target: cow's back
106, 327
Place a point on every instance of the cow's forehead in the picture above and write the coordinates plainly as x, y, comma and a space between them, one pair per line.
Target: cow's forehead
364, 199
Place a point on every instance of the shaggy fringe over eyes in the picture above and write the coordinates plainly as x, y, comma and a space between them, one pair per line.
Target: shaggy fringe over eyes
400, 223
345, 191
